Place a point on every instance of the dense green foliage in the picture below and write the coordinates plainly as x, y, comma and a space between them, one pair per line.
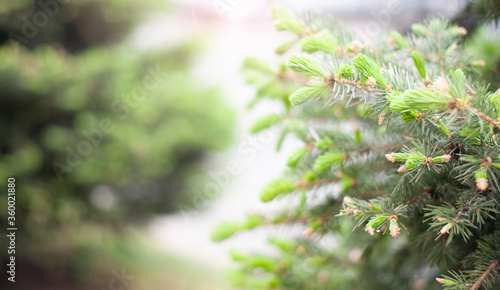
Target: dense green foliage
74, 25
484, 44
397, 183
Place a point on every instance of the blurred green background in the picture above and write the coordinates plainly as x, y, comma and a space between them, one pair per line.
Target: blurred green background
100, 138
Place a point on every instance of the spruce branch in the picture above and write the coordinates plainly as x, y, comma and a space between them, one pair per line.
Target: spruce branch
306, 66
369, 68
335, 79
308, 184
492, 265
439, 118
477, 112
418, 198
373, 148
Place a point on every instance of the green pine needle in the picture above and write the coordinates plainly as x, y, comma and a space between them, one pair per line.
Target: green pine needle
276, 188
420, 29
304, 65
418, 99
224, 231
265, 122
419, 63
327, 160
457, 84
285, 46
296, 157
369, 68
346, 71
325, 43
400, 40
304, 94
286, 20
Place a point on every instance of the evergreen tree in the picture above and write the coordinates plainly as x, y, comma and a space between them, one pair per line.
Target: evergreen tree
396, 185
99, 136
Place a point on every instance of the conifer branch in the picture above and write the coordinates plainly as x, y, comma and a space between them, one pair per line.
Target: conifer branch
493, 264
375, 148
485, 117
306, 184
330, 80
424, 93
465, 208
419, 197
370, 194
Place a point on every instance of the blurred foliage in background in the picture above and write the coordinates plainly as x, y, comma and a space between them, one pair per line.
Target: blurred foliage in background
481, 17
485, 43
97, 135
74, 25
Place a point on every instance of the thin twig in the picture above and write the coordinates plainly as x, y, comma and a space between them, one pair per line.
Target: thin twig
485, 117
357, 85
374, 148
306, 184
417, 198
464, 209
